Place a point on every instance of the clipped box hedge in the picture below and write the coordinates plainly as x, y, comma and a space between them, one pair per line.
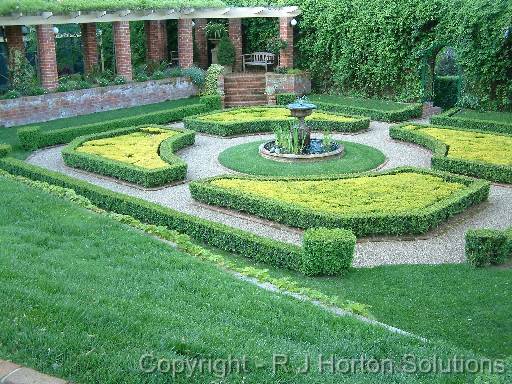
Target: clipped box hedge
176, 169
5, 149
33, 137
451, 118
409, 111
328, 251
215, 234
488, 246
416, 221
232, 128
441, 161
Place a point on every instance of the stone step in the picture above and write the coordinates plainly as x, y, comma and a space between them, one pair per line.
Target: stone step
230, 98
245, 85
244, 104
244, 92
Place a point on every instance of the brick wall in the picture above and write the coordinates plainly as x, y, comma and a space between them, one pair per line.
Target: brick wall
185, 43
286, 34
33, 109
201, 43
90, 46
235, 34
47, 57
123, 50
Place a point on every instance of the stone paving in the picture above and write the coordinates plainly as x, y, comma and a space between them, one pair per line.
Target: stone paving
11, 373
444, 245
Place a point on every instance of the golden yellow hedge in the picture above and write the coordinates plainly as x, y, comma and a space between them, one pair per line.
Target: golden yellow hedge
255, 114
138, 148
399, 193
467, 145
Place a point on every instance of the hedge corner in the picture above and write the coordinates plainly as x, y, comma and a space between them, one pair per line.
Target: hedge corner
486, 246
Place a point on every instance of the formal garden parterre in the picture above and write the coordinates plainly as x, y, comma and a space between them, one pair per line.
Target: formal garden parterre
184, 229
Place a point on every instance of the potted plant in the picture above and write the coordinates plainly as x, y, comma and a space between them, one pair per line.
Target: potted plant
215, 31
226, 54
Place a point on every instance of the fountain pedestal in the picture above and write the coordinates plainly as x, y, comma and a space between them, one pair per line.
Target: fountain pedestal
301, 110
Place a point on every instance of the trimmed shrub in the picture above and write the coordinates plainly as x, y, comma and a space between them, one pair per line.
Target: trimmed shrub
451, 118
285, 98
268, 124
487, 246
33, 137
327, 251
440, 161
211, 102
5, 149
175, 170
415, 221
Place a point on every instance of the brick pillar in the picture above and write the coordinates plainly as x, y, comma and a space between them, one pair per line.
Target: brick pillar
201, 43
123, 49
185, 43
154, 41
47, 57
235, 34
90, 46
286, 34
14, 37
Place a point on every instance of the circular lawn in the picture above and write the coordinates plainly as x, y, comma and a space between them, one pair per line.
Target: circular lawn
245, 158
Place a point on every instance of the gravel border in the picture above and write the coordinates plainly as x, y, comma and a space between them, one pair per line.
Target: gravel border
444, 245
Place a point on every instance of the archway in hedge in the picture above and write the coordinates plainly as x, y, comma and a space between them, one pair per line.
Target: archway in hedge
441, 76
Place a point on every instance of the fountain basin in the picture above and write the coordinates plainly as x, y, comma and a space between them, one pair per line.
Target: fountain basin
269, 150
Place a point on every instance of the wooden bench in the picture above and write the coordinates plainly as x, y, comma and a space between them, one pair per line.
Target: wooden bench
259, 59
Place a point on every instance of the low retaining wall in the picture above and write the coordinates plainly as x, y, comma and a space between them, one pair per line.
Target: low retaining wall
35, 109
299, 84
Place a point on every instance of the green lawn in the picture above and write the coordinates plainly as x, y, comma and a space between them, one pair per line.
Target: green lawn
457, 303
8, 135
245, 158
501, 117
358, 102
83, 297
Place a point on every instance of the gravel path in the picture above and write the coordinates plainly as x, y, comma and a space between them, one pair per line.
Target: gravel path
444, 245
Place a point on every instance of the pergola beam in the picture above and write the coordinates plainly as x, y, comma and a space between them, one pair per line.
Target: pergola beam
157, 14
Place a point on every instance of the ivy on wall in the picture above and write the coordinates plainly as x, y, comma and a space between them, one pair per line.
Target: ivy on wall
378, 48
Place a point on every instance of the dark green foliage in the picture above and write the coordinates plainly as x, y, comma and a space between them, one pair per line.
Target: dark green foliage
33, 137
212, 103
149, 178
285, 98
374, 109
231, 128
417, 222
5, 149
215, 234
440, 160
473, 120
446, 91
378, 48
487, 246
226, 53
258, 32
327, 251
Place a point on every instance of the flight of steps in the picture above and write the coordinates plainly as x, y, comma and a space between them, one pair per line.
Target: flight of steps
244, 89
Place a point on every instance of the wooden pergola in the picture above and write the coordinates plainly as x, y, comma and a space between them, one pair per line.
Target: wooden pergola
156, 39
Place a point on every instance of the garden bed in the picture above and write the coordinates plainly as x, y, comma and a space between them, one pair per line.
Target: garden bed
380, 110
397, 202
265, 119
500, 122
140, 155
472, 153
